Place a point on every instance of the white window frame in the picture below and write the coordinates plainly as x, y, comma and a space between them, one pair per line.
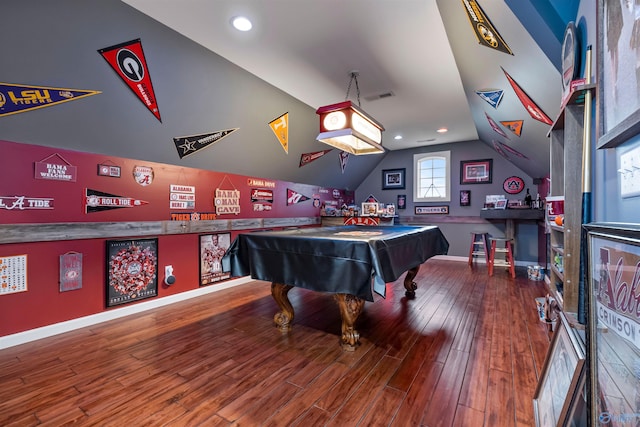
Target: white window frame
417, 159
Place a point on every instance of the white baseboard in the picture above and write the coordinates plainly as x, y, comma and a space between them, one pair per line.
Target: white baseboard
93, 319
479, 260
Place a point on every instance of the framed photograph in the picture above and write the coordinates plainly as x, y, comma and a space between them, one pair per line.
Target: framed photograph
402, 201
502, 204
369, 209
212, 249
465, 197
560, 377
132, 270
393, 179
613, 274
618, 83
432, 210
476, 171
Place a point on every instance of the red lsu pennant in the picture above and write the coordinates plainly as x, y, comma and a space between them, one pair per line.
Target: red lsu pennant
128, 61
531, 107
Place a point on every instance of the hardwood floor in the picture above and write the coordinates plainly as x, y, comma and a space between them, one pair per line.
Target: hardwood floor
467, 351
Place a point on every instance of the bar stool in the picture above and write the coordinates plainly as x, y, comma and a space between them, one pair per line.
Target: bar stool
507, 250
479, 246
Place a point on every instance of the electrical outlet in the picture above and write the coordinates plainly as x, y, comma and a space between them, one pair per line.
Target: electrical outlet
630, 173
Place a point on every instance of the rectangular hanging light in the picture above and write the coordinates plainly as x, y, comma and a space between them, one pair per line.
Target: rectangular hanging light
348, 128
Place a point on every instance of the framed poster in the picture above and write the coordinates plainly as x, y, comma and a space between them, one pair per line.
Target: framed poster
212, 249
559, 378
476, 171
132, 270
614, 323
402, 201
393, 179
465, 197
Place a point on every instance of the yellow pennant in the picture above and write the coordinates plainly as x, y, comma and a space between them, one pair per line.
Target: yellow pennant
280, 126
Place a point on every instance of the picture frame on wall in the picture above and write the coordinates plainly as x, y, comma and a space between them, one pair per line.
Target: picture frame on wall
212, 248
476, 171
619, 85
614, 322
560, 376
132, 270
393, 179
465, 197
402, 201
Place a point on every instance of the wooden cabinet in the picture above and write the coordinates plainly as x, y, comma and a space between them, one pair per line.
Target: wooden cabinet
566, 142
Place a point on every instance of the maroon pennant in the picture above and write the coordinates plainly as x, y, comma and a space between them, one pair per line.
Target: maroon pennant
128, 61
307, 158
294, 197
531, 107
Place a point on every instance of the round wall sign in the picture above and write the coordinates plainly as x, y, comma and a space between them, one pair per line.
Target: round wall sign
570, 56
513, 185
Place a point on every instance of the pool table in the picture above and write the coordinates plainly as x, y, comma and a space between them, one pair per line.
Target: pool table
350, 262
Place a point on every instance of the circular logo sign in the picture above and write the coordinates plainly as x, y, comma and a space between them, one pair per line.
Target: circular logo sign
513, 185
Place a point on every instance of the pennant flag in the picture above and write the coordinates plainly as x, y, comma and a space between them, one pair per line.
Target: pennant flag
294, 197
513, 151
307, 158
96, 201
484, 30
280, 128
128, 61
495, 126
492, 96
498, 148
344, 158
514, 126
20, 98
531, 107
187, 145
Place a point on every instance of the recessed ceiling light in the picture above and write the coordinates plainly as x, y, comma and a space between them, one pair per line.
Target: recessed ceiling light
397, 137
241, 23
442, 130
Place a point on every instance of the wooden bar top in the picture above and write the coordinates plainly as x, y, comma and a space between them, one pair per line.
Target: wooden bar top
521, 214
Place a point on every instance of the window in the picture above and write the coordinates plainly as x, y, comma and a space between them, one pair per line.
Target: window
432, 177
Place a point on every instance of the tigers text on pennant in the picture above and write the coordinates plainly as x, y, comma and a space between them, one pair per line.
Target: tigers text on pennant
128, 61
187, 145
514, 126
20, 98
531, 107
280, 127
307, 158
483, 28
492, 96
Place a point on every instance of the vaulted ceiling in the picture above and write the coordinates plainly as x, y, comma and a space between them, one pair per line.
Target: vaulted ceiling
420, 64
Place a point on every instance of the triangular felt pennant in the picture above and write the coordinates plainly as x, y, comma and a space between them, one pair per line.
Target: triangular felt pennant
511, 150
20, 98
514, 126
294, 197
483, 28
128, 61
492, 96
187, 145
280, 127
344, 158
96, 201
531, 107
495, 126
307, 158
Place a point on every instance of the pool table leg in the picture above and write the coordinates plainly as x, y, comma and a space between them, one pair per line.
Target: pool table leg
409, 284
350, 308
283, 318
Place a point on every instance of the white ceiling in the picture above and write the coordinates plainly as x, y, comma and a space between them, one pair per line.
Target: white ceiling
424, 52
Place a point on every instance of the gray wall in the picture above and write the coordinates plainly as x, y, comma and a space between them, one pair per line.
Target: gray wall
457, 232
56, 45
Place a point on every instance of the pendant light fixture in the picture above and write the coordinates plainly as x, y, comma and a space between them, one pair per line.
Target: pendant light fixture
347, 127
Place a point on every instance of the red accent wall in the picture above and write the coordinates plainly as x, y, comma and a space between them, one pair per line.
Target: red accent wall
43, 304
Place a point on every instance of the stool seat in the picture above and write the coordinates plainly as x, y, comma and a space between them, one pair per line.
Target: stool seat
506, 251
479, 246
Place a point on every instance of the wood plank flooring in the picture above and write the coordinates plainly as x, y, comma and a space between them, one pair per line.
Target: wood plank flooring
467, 351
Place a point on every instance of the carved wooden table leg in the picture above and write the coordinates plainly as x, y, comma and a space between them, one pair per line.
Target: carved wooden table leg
283, 318
409, 284
350, 308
